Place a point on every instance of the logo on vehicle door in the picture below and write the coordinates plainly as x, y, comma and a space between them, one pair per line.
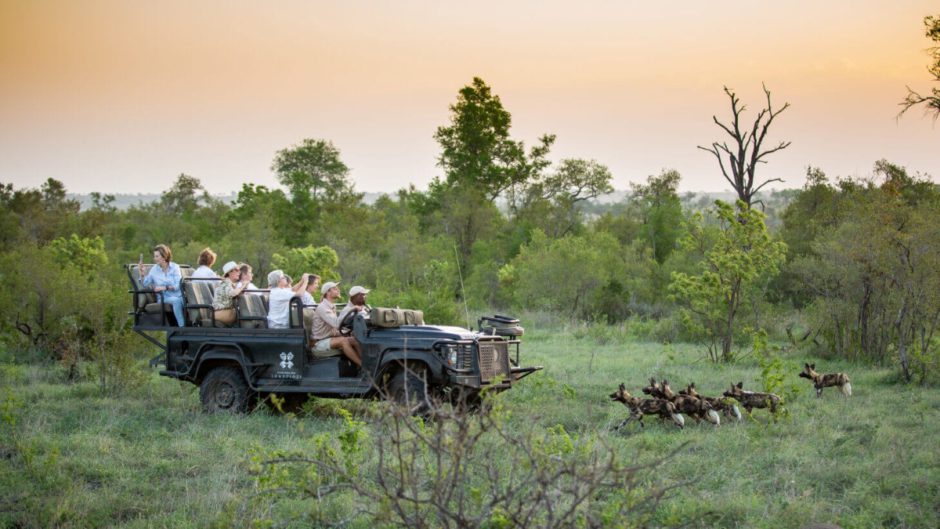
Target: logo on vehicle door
287, 360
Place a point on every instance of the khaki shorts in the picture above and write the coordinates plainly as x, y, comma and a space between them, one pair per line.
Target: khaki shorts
322, 349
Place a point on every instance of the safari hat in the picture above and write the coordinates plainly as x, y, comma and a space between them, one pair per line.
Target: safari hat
358, 290
228, 267
327, 286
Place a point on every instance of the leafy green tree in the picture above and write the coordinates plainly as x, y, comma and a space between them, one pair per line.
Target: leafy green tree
185, 196
477, 151
315, 260
314, 176
931, 102
573, 275
661, 212
741, 263
313, 171
747, 148
553, 203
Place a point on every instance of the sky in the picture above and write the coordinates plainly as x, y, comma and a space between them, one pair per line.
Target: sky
122, 96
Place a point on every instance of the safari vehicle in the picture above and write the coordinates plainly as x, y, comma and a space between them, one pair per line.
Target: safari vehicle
402, 357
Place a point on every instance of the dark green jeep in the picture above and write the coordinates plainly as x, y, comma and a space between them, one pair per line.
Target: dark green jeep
402, 358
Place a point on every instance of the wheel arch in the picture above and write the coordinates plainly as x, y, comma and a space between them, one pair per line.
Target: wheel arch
212, 355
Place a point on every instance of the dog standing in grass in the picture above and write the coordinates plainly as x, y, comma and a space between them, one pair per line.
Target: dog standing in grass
640, 407
821, 381
725, 405
695, 407
753, 399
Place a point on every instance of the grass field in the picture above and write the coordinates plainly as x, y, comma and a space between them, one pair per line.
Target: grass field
70, 457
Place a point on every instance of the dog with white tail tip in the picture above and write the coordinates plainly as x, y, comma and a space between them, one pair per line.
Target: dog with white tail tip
820, 381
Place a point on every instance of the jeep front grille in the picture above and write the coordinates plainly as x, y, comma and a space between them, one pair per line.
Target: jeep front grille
494, 360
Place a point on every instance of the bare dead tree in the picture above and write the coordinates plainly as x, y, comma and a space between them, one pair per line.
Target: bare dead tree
747, 149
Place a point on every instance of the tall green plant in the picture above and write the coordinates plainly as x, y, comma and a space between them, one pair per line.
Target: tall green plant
742, 261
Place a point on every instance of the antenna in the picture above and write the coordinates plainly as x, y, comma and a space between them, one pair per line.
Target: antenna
462, 293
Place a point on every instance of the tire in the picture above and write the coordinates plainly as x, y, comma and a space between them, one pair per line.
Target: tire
224, 390
407, 388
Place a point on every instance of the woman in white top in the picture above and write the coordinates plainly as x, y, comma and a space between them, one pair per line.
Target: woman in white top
205, 262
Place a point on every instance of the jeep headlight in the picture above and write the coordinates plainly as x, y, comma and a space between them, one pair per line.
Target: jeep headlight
450, 354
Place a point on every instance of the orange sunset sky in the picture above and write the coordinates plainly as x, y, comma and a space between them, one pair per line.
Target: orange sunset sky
121, 96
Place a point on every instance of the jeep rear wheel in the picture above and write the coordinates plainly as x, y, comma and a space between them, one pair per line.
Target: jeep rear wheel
224, 390
409, 389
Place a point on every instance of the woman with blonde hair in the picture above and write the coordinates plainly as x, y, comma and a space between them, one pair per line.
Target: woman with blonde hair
165, 279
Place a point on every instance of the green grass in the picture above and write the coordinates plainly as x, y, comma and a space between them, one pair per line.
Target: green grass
150, 458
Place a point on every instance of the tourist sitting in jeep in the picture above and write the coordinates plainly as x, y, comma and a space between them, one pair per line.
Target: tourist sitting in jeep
223, 299
165, 277
279, 298
326, 339
357, 304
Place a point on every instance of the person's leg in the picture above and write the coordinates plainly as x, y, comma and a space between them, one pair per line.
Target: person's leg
177, 303
343, 345
354, 343
225, 317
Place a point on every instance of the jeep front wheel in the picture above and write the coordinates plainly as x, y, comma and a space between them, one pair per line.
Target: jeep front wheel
409, 389
224, 390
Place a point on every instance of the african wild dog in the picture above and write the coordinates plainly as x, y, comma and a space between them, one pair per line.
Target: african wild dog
828, 380
724, 405
640, 407
697, 408
753, 399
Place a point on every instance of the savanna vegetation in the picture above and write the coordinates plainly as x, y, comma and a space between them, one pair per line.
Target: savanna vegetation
844, 272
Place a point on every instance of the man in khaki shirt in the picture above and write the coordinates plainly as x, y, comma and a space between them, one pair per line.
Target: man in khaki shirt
326, 340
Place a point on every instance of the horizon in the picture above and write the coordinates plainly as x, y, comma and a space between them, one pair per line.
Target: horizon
126, 97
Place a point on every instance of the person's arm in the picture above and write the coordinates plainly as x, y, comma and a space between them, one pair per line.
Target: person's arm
173, 277
300, 286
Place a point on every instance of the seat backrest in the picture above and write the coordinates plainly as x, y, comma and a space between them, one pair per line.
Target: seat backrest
141, 300
252, 311
197, 295
186, 271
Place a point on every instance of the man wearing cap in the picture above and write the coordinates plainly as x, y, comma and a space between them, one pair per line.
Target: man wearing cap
357, 302
223, 299
327, 340
280, 296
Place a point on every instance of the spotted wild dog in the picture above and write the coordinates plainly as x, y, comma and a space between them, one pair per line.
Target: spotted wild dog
695, 407
821, 381
721, 404
753, 399
654, 390
639, 407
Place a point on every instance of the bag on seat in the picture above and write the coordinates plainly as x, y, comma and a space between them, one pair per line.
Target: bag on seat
387, 318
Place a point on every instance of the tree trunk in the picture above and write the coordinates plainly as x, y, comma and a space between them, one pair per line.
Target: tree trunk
902, 342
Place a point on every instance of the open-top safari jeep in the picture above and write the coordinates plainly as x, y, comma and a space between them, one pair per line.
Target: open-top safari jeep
402, 357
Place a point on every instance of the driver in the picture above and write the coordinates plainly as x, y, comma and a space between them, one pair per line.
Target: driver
357, 302
326, 340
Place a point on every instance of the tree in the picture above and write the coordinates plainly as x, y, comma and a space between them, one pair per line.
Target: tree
742, 261
313, 171
931, 102
185, 196
553, 203
746, 151
315, 178
476, 149
660, 211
